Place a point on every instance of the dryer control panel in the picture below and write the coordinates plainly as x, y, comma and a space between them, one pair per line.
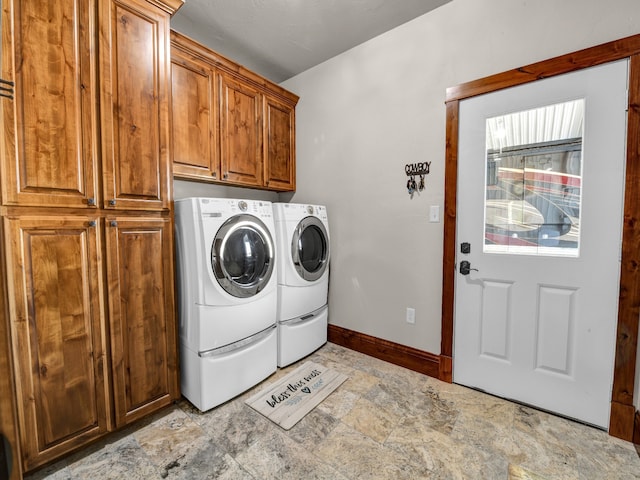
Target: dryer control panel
224, 207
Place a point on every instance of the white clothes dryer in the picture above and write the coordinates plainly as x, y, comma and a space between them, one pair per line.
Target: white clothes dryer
302, 236
227, 296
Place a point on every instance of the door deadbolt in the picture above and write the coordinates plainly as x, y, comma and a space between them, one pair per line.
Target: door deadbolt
465, 247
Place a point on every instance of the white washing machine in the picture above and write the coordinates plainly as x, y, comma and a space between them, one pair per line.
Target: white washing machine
227, 297
302, 236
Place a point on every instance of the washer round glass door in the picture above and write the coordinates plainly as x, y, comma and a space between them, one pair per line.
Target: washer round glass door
242, 256
310, 248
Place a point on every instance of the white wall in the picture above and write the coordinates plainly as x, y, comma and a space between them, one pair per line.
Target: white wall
366, 113
185, 189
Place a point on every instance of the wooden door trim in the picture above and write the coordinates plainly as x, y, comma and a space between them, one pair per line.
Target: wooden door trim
623, 411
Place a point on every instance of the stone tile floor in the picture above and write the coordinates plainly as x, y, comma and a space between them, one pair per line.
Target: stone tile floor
384, 422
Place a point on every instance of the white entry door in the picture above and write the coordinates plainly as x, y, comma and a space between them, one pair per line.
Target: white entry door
539, 228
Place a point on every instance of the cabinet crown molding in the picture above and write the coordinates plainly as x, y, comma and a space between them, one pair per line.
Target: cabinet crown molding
169, 6
192, 47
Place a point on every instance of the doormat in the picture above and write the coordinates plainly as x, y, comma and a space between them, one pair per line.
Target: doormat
293, 396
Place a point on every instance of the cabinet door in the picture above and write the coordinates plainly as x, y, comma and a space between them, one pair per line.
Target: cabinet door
49, 156
142, 319
279, 152
58, 333
193, 123
135, 105
8, 416
240, 133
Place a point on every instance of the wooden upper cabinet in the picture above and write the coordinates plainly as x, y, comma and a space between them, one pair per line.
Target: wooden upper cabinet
193, 119
279, 150
142, 319
240, 131
135, 73
55, 135
50, 153
58, 331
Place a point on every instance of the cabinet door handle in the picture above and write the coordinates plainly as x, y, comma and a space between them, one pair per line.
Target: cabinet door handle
112, 202
5, 91
92, 223
91, 202
114, 223
226, 175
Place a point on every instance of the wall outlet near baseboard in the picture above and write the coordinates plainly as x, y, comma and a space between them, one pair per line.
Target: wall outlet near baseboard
411, 315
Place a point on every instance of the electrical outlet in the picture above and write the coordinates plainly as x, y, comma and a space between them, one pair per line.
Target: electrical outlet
411, 315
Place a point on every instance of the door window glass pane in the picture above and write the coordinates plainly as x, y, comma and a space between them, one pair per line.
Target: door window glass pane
533, 181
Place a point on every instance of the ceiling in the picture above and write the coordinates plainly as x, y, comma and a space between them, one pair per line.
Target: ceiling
281, 38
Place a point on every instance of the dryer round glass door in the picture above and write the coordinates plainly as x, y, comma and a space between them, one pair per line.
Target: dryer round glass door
310, 248
242, 256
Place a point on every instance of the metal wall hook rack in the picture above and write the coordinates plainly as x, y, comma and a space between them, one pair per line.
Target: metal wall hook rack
412, 169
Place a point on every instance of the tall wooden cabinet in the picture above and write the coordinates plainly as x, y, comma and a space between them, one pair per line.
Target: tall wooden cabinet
229, 125
58, 332
134, 94
10, 468
86, 217
141, 306
50, 128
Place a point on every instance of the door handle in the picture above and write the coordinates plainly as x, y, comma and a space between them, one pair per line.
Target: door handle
465, 267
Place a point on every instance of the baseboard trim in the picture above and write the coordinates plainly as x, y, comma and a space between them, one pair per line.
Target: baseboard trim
408, 357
